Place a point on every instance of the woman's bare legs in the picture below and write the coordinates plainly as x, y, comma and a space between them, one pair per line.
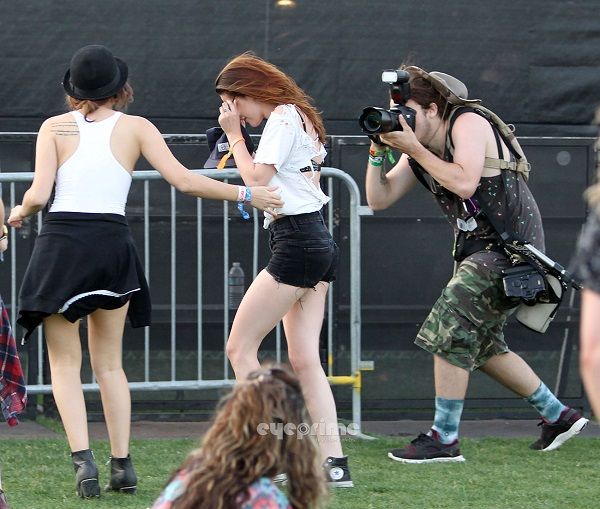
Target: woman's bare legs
263, 306
105, 343
302, 326
105, 334
64, 353
265, 303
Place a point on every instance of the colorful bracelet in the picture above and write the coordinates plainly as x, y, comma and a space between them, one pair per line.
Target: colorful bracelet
245, 197
376, 160
381, 152
386, 151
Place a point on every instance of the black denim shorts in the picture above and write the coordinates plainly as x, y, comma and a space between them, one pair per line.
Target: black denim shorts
302, 251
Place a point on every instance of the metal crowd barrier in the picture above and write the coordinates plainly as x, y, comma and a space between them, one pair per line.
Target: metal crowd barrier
357, 364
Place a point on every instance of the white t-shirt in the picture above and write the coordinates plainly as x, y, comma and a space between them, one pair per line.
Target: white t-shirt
286, 145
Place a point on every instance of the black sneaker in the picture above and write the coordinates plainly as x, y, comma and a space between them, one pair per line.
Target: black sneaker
337, 472
557, 433
427, 449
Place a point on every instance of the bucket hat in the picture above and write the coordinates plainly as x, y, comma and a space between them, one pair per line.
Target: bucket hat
219, 146
94, 74
451, 88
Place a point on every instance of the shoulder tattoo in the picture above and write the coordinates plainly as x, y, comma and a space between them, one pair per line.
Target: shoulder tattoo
65, 129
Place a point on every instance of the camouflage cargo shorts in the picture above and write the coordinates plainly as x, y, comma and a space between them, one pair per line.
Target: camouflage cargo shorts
465, 325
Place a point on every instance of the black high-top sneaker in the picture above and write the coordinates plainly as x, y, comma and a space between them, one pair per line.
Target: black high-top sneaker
86, 474
337, 472
122, 476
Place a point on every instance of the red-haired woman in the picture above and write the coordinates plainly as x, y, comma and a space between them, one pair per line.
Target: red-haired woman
304, 256
255, 435
84, 262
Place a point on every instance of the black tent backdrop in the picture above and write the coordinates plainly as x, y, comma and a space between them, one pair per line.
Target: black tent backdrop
535, 62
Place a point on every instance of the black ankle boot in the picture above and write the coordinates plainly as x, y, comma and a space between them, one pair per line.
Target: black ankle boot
86, 474
122, 476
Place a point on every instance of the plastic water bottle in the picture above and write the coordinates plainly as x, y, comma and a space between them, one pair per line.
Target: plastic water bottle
236, 285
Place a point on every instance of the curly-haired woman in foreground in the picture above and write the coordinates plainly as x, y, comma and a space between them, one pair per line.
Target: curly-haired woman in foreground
256, 434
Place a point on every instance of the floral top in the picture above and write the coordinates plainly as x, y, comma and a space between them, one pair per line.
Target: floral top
262, 494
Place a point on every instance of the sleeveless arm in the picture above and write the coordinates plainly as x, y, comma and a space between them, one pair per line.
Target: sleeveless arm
461, 176
158, 154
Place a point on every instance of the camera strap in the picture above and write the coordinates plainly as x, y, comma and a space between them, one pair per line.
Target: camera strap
426, 180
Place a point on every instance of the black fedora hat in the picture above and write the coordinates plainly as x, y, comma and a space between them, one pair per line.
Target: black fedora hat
94, 74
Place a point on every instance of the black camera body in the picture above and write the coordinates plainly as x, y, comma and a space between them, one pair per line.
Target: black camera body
526, 283
375, 120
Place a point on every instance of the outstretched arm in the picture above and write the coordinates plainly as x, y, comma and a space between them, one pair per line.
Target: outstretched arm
158, 154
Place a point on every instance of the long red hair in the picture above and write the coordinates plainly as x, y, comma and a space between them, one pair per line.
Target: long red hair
250, 76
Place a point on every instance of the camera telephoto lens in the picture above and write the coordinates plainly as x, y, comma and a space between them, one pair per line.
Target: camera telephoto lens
373, 121
377, 120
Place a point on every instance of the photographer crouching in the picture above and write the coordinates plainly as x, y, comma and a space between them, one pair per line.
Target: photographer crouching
474, 168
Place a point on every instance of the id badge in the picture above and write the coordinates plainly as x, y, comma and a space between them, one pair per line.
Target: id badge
466, 225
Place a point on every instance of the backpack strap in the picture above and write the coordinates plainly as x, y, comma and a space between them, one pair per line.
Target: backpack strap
507, 234
519, 165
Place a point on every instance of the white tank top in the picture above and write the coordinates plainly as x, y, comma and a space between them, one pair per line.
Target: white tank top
92, 180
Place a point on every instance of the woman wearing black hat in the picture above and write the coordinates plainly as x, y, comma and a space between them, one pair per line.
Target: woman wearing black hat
84, 261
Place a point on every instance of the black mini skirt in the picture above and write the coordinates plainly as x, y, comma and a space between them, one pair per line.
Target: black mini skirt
82, 262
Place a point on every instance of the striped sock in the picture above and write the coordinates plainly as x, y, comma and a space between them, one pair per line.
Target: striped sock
447, 418
546, 403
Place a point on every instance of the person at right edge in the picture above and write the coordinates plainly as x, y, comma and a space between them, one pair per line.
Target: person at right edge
464, 330
586, 265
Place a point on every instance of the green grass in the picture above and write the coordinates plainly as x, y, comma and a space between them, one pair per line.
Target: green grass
498, 474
